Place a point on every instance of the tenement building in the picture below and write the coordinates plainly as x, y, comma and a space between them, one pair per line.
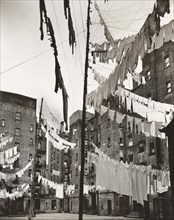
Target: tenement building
17, 139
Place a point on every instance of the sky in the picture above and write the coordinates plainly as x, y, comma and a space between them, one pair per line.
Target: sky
27, 63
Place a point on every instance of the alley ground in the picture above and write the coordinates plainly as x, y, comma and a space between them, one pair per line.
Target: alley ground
66, 216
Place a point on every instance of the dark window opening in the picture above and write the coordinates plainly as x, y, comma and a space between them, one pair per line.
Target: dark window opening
130, 158
109, 142
152, 148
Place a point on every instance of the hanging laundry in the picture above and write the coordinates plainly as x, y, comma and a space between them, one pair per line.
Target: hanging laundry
99, 78
119, 117
5, 140
56, 172
103, 110
67, 12
58, 187
111, 114
9, 176
163, 6
43, 11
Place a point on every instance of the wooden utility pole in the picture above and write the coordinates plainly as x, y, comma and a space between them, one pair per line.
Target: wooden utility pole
84, 115
32, 201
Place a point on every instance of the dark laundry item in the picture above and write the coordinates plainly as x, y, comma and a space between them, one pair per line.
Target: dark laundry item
42, 11
59, 80
163, 6
65, 106
50, 32
72, 38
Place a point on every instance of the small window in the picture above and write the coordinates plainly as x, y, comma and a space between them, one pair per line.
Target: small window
148, 75
129, 127
121, 142
18, 116
30, 157
141, 147
130, 158
29, 172
152, 148
31, 127
76, 156
149, 96
31, 142
108, 123
166, 61
136, 128
168, 87
18, 132
109, 142
3, 122
76, 172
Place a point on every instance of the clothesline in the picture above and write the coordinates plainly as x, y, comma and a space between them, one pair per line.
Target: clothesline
8, 156
136, 181
149, 109
128, 63
5, 140
51, 184
16, 194
138, 125
8, 176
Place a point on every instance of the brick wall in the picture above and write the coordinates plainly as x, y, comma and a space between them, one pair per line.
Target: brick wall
9, 105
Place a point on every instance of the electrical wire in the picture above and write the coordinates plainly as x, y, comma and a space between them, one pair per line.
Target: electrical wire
38, 55
63, 48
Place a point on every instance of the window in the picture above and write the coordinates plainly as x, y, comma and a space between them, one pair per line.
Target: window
30, 157
76, 156
136, 127
18, 132
76, 171
141, 147
108, 123
3, 122
18, 146
121, 142
18, 116
31, 142
129, 127
109, 142
130, 158
31, 127
152, 148
53, 205
149, 96
29, 172
166, 61
168, 87
148, 75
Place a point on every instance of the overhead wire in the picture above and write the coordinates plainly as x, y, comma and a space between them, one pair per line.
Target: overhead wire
78, 44
38, 55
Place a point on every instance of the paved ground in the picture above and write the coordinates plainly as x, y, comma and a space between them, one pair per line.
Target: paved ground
67, 216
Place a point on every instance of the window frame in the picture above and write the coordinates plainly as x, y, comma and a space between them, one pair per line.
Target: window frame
18, 134
2, 122
166, 61
148, 75
152, 152
18, 116
168, 88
